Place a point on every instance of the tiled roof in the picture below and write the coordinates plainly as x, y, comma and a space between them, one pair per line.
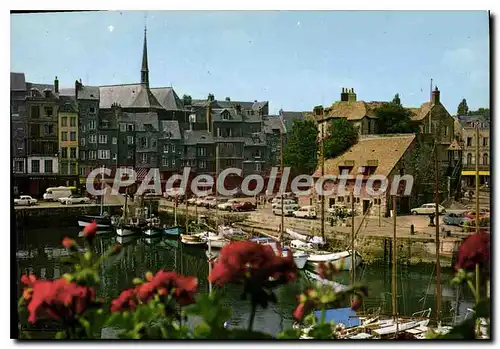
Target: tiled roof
259, 105
387, 150
198, 137
89, 93
170, 129
67, 104
127, 96
168, 98
273, 122
352, 110
17, 82
420, 113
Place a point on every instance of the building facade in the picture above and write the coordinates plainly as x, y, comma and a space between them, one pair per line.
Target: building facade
68, 138
18, 117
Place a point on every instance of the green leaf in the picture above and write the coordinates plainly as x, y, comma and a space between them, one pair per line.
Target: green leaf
61, 335
289, 334
321, 331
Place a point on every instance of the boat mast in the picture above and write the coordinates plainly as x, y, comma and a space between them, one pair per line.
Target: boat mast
216, 190
353, 265
477, 201
282, 194
394, 266
322, 151
438, 263
102, 196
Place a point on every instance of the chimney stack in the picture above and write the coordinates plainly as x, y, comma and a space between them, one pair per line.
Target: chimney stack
209, 115
344, 95
56, 85
435, 96
351, 96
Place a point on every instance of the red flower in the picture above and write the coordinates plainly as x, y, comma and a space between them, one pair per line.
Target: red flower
90, 230
356, 302
68, 243
299, 312
59, 300
475, 249
328, 270
181, 287
126, 300
242, 261
29, 281
307, 301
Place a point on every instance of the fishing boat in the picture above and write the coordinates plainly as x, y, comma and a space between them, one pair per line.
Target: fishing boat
103, 220
130, 227
174, 231
125, 240
194, 239
344, 257
337, 287
232, 233
153, 227
217, 241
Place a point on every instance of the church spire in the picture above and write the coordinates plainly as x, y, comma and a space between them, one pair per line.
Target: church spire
144, 68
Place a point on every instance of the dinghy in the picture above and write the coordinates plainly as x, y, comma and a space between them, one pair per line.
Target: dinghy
343, 257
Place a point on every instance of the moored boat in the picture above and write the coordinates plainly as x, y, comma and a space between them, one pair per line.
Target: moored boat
103, 221
153, 227
174, 231
344, 258
193, 240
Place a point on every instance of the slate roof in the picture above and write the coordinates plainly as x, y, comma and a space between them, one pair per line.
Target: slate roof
146, 122
127, 96
168, 99
17, 82
217, 115
89, 93
289, 116
198, 137
230, 104
170, 128
67, 104
67, 91
273, 122
387, 149
468, 121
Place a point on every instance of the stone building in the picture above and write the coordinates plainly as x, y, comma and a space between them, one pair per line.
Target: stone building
68, 136
18, 117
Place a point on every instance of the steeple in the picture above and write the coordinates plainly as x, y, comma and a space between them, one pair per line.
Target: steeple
144, 68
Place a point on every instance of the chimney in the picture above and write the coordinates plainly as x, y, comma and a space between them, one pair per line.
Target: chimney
351, 96
209, 115
78, 87
56, 85
435, 96
344, 96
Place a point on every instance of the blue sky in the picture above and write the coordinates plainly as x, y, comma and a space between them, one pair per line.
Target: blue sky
293, 59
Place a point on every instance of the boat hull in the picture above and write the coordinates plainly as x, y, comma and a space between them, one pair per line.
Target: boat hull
172, 231
346, 264
300, 261
192, 241
102, 222
127, 230
153, 231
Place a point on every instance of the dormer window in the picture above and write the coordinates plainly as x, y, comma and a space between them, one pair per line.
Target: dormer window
225, 115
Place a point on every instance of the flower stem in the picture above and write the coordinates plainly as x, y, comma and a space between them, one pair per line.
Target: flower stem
477, 284
252, 316
473, 289
323, 315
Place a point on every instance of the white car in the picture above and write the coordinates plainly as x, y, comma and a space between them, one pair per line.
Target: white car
228, 205
277, 203
287, 209
25, 200
427, 209
214, 203
305, 212
74, 199
207, 201
192, 200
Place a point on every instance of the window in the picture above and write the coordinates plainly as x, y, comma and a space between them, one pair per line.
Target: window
164, 161
82, 171
114, 140
258, 167
92, 155
225, 116
172, 147
115, 156
144, 158
130, 127
82, 154
64, 136
64, 121
143, 142
35, 131
35, 111
130, 155
48, 166
130, 139
166, 148
19, 166
173, 162
202, 151
92, 139
203, 164
72, 153
469, 141
49, 111
72, 123
92, 110
49, 129
72, 136
72, 168
485, 141
92, 125
103, 139
35, 166
340, 199
64, 153
469, 159
485, 159
123, 127
446, 130
104, 154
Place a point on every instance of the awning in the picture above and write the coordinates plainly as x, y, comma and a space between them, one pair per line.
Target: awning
473, 173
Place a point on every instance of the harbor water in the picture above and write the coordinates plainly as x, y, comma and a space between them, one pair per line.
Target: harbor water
39, 251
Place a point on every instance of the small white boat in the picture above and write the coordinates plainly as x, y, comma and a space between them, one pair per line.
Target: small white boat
343, 257
215, 240
153, 227
299, 257
127, 230
193, 239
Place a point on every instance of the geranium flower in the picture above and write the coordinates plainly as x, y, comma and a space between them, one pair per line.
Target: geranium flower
126, 301
181, 287
356, 302
308, 300
90, 230
59, 300
328, 270
28, 281
475, 249
68, 243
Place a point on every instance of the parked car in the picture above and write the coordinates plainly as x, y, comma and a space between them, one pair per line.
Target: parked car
243, 206
55, 193
228, 205
217, 202
277, 203
340, 210
305, 212
288, 209
199, 201
192, 201
454, 219
24, 200
427, 209
207, 201
74, 199
483, 213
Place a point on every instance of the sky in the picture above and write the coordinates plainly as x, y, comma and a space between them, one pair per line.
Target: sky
293, 59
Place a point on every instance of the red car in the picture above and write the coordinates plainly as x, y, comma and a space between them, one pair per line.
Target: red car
482, 214
243, 206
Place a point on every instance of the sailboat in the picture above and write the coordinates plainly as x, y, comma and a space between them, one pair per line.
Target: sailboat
153, 223
103, 220
127, 226
175, 230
